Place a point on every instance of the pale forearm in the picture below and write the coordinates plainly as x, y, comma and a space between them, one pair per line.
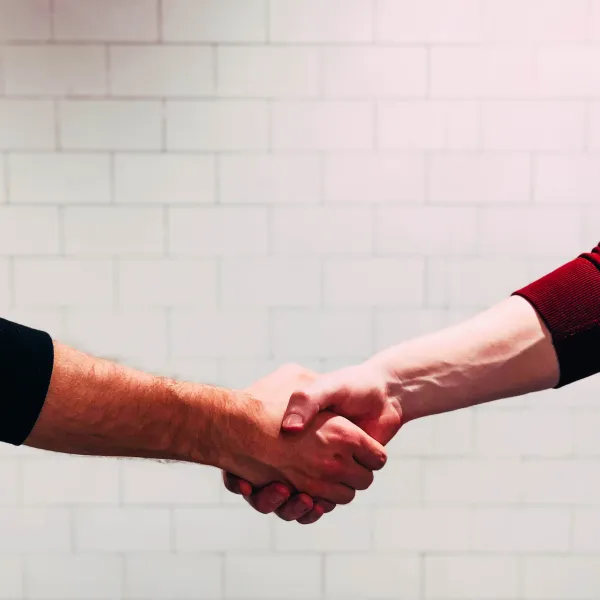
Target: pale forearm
95, 407
503, 352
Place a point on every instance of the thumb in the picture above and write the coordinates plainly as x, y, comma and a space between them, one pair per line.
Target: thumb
306, 404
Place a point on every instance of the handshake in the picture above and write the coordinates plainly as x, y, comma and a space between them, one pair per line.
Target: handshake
316, 440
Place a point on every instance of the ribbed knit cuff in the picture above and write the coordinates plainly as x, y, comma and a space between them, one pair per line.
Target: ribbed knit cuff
568, 301
26, 364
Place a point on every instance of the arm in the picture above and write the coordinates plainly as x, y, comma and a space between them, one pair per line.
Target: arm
547, 335
95, 407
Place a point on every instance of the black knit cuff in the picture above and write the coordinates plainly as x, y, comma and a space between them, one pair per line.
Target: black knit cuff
26, 363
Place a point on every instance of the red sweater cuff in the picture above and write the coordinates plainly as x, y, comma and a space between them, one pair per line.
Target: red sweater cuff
568, 301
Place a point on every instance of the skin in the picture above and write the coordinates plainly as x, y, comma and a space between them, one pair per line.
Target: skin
95, 407
503, 352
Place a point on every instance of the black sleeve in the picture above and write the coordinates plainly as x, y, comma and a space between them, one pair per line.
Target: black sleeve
26, 363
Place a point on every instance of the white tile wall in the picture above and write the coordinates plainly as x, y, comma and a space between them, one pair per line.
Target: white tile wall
210, 188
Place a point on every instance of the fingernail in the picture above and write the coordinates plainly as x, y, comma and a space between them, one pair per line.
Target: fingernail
293, 420
277, 499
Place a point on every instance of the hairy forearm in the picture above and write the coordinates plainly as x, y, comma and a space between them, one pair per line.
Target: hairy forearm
503, 352
95, 407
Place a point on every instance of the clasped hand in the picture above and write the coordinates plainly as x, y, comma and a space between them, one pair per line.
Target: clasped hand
335, 426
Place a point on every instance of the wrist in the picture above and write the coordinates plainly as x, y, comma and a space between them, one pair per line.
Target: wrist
221, 427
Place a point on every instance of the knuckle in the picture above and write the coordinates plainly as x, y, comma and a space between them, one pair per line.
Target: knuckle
331, 468
347, 495
368, 482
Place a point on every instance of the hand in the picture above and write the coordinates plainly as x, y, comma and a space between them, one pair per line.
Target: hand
367, 394
329, 460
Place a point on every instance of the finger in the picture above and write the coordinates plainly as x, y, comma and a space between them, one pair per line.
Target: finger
325, 505
296, 507
270, 498
357, 477
313, 516
305, 404
236, 485
336, 493
370, 454
302, 408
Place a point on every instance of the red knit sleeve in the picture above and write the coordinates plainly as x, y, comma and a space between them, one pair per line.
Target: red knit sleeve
568, 301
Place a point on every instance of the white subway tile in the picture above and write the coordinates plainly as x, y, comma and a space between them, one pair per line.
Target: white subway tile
220, 530
106, 20
480, 178
63, 178
147, 482
218, 231
538, 20
449, 434
219, 334
557, 577
394, 325
268, 72
530, 530
374, 282
29, 231
118, 334
560, 482
428, 125
161, 71
63, 282
173, 576
222, 21
482, 72
518, 231
25, 20
12, 575
6, 291
510, 432
268, 282
470, 576
320, 21
114, 530
330, 534
55, 70
227, 125
112, 231
593, 126
375, 72
422, 530
428, 21
398, 484
370, 178
30, 530
323, 230
372, 576
586, 438
269, 179
92, 577
551, 126
26, 125
273, 576
585, 528
147, 283
316, 333
471, 482
322, 126
568, 71
465, 282
164, 179
110, 125
426, 231
62, 480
